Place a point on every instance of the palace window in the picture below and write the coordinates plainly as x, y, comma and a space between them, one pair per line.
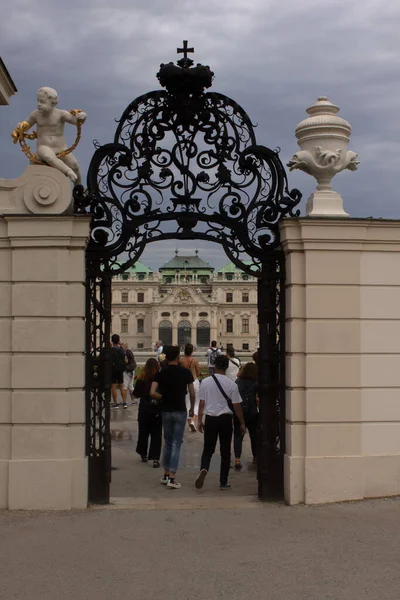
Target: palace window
245, 325
245, 297
140, 297
124, 325
203, 314
184, 314
203, 334
124, 297
229, 326
140, 276
140, 345
245, 277
140, 326
165, 314
125, 276
229, 296
245, 346
229, 276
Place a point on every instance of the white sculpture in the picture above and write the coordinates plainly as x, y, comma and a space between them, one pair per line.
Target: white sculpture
323, 138
51, 146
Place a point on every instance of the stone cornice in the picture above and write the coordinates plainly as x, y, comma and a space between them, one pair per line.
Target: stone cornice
315, 233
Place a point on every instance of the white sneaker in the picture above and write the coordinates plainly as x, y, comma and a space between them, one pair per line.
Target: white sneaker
173, 485
164, 480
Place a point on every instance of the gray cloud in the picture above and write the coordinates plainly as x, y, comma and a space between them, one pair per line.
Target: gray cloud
273, 58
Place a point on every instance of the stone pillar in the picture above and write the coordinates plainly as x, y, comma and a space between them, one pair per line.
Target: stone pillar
343, 359
42, 406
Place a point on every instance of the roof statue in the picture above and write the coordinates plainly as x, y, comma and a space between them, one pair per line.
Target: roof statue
51, 146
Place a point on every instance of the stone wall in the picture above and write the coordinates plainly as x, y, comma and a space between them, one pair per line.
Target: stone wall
343, 359
42, 309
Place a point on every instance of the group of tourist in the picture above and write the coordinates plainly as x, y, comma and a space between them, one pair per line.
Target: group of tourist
171, 393
222, 406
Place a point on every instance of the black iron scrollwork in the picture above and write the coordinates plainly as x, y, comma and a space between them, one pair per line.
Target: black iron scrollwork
185, 164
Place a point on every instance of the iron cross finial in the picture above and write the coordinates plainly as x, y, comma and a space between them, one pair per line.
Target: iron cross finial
185, 50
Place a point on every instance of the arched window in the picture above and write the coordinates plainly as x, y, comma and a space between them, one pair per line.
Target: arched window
203, 334
165, 333
184, 333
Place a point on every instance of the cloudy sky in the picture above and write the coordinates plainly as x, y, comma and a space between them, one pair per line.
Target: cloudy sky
274, 58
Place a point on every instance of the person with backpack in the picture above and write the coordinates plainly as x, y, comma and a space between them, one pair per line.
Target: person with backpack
247, 383
219, 400
118, 364
191, 363
212, 354
233, 365
129, 373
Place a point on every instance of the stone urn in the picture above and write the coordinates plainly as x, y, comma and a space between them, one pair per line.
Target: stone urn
323, 138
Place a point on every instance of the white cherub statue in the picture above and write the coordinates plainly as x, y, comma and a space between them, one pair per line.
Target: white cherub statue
51, 145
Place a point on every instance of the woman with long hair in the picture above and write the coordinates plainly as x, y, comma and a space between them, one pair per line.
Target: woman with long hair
247, 383
191, 363
149, 415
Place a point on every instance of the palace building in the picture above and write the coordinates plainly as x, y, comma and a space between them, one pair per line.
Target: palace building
186, 300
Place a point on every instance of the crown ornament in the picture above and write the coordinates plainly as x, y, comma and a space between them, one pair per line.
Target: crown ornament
183, 78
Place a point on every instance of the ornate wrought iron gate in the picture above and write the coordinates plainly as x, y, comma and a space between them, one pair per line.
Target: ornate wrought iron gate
185, 164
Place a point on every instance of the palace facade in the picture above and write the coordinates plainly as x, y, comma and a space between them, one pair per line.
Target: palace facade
186, 300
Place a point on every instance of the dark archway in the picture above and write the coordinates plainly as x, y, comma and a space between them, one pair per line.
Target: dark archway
184, 333
203, 331
185, 164
165, 332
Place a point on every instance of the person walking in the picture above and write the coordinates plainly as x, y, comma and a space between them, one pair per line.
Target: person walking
247, 383
233, 364
117, 371
170, 386
219, 400
129, 373
212, 354
149, 415
189, 362
159, 349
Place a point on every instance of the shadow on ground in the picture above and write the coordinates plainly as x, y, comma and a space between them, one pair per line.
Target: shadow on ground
136, 480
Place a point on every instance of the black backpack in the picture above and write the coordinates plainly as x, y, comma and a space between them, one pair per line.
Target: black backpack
213, 356
118, 359
131, 364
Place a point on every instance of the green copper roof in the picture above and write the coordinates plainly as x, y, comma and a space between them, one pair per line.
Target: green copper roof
139, 267
231, 268
186, 262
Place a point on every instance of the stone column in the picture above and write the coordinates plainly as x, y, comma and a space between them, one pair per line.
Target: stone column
5, 361
343, 359
42, 407
215, 325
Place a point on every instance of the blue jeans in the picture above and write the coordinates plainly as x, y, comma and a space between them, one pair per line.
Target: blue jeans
174, 427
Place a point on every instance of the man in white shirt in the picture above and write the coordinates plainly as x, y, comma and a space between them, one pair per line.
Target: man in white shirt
219, 398
234, 364
159, 348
